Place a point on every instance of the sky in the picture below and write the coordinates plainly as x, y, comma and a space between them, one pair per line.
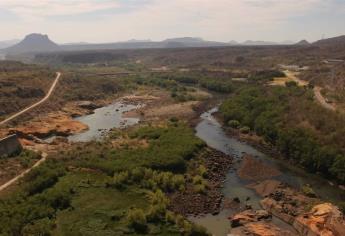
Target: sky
98, 21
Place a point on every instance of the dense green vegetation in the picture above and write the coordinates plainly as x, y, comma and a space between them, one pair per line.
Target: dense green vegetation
266, 75
101, 190
178, 82
289, 119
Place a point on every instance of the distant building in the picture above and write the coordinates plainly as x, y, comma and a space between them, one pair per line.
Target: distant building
10, 145
333, 61
293, 67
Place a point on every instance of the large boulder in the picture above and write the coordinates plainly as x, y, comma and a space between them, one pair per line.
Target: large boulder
323, 220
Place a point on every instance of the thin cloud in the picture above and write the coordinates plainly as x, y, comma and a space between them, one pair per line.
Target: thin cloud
112, 20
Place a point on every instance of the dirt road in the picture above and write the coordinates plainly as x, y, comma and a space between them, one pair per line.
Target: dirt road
15, 179
58, 74
322, 100
292, 76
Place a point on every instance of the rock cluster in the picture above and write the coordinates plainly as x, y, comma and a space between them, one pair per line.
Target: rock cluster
190, 203
324, 219
255, 223
249, 216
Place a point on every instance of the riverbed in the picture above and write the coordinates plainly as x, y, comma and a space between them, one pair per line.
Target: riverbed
210, 130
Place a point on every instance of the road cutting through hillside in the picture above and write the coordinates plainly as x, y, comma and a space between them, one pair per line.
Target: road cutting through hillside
58, 75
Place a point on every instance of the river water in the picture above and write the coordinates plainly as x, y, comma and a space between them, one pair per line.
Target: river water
104, 119
212, 133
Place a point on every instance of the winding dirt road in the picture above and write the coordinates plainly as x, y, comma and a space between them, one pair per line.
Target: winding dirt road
44, 155
293, 76
58, 74
15, 179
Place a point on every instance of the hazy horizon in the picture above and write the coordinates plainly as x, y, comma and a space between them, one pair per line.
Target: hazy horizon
219, 20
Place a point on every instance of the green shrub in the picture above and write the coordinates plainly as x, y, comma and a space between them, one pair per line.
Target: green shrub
41, 227
308, 191
202, 171
198, 230
198, 179
291, 84
174, 119
200, 188
43, 177
234, 124
245, 130
137, 220
121, 179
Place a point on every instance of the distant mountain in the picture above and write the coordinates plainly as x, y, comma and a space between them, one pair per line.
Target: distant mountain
191, 42
33, 43
303, 43
138, 44
336, 41
258, 43
8, 43
138, 41
185, 40
233, 42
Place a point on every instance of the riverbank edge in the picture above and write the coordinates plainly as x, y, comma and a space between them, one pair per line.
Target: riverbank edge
269, 150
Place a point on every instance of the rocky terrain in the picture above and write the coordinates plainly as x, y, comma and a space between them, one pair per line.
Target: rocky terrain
190, 203
308, 216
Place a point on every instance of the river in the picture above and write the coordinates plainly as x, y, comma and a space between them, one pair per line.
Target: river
209, 130
212, 133
101, 121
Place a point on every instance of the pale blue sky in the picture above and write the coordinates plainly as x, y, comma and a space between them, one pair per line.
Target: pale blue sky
221, 20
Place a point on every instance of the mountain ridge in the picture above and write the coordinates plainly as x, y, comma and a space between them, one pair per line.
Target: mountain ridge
33, 43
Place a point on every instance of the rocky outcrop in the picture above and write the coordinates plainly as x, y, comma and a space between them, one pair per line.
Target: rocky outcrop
249, 216
324, 219
260, 229
286, 203
292, 206
191, 203
256, 223
88, 105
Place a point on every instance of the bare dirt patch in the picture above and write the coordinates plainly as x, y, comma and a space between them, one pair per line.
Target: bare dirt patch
159, 105
58, 123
